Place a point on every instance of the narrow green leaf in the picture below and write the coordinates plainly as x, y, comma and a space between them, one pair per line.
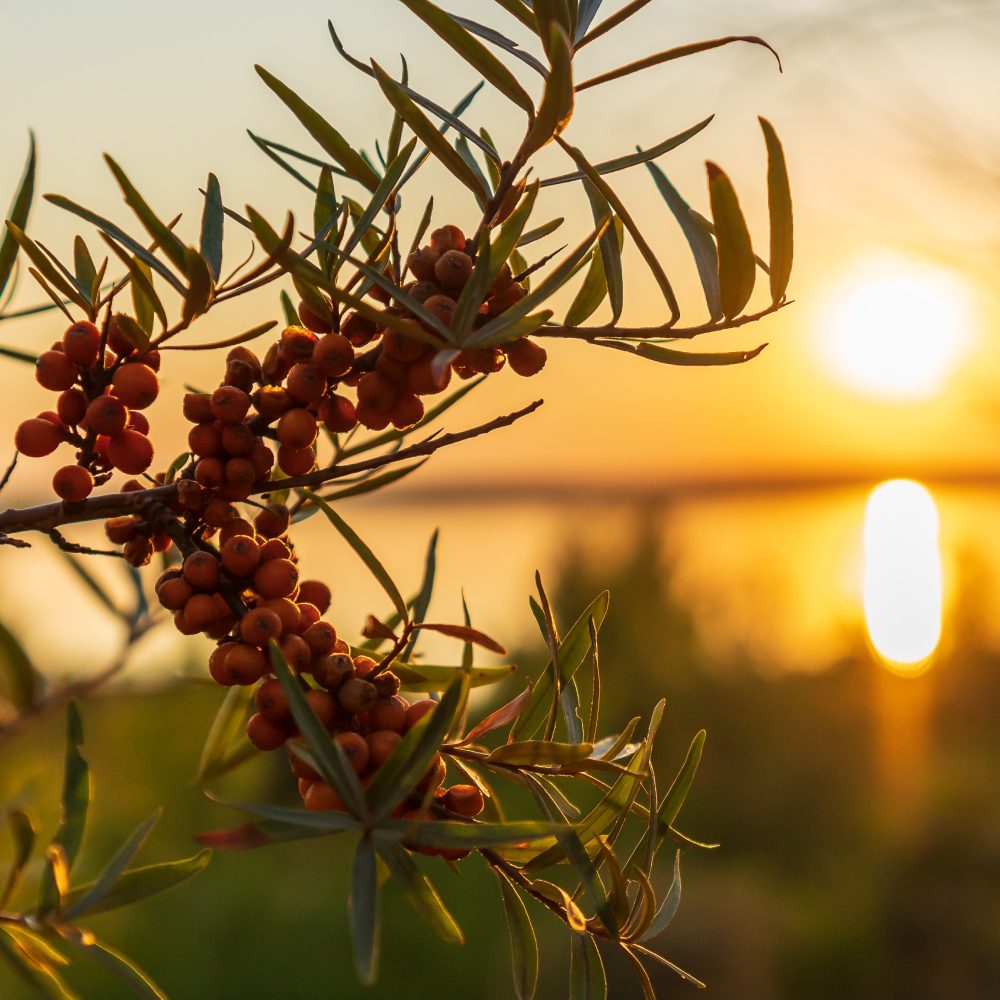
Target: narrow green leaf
587, 978
422, 602
21, 677
545, 752
288, 309
316, 823
424, 129
701, 243
16, 355
212, 220
556, 107
329, 758
521, 934
142, 302
667, 356
64, 286
611, 21
572, 650
364, 912
366, 555
421, 892
83, 267
673, 801
23, 832
113, 870
433, 677
225, 731
680, 52
28, 955
323, 132
668, 908
18, 214
737, 269
447, 834
131, 975
240, 338
473, 52
779, 201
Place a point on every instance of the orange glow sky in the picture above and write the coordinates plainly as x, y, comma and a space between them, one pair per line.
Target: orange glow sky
887, 111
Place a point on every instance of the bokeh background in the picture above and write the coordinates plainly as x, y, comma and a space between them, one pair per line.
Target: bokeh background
833, 628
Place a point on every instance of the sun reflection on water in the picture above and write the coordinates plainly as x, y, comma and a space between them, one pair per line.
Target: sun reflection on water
903, 580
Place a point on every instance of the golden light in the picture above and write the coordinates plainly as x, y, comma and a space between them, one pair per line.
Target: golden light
902, 574
896, 328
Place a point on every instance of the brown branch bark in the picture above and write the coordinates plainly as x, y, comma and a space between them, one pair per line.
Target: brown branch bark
50, 516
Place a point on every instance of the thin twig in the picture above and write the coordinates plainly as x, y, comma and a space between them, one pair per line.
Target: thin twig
74, 548
53, 515
9, 472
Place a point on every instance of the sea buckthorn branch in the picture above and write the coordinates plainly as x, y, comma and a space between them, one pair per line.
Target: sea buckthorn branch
45, 517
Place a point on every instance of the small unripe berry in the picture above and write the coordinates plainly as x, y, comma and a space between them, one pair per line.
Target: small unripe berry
82, 343
37, 438
73, 483
130, 452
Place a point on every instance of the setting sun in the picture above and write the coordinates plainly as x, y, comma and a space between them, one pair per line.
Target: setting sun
896, 328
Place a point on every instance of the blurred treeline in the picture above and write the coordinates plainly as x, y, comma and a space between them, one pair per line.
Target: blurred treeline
857, 812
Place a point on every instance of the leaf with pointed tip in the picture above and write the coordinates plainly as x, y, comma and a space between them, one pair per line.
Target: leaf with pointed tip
737, 268
673, 801
212, 219
420, 892
329, 758
680, 52
66, 287
667, 356
779, 202
464, 632
572, 651
23, 832
316, 823
495, 720
18, 214
521, 934
501, 41
363, 908
668, 908
429, 135
21, 677
83, 267
587, 978
225, 732
240, 338
15, 355
543, 752
366, 555
464, 835
322, 131
701, 243
131, 975
634, 159
420, 676
556, 107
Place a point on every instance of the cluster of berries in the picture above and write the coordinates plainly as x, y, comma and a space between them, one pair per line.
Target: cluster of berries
403, 370
102, 386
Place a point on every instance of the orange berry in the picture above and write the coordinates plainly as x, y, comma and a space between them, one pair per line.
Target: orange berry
210, 473
72, 406
174, 593
297, 654
334, 355
260, 626
296, 429
381, 744
264, 734
136, 385
271, 401
306, 383
407, 411
130, 452
526, 357
239, 475
315, 592
138, 422
320, 797
296, 461
320, 638
240, 555
272, 702
364, 665
338, 414
274, 548
238, 440
466, 800
37, 438
389, 713
442, 306
376, 391
200, 611
308, 614
218, 513
245, 665
107, 415
434, 775
82, 343
197, 407
421, 263
215, 662
355, 749
311, 321
237, 526
358, 329
273, 521
205, 440
287, 611
121, 529
276, 578
331, 671
422, 379
453, 270
357, 695
417, 710
262, 459
230, 404
201, 570
296, 344
54, 371
323, 704
73, 483
448, 238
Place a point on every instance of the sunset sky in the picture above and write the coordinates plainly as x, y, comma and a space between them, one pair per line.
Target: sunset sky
884, 365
